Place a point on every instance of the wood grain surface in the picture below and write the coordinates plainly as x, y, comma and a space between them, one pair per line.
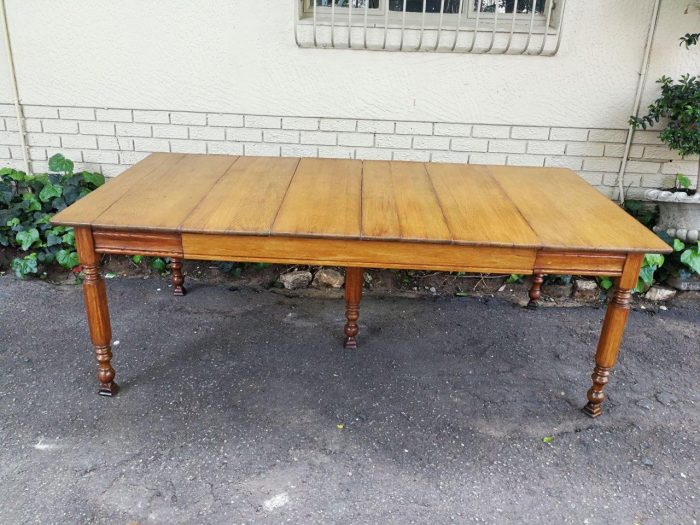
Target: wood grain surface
502, 206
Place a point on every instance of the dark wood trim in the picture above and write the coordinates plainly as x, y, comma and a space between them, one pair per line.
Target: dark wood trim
353, 294
138, 243
535, 291
177, 278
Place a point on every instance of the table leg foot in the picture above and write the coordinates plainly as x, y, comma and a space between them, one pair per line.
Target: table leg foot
535, 290
596, 395
108, 389
353, 294
177, 278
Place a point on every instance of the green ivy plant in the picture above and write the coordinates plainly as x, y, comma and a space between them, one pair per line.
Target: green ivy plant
690, 256
27, 204
651, 263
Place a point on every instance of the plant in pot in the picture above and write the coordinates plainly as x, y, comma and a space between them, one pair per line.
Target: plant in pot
679, 108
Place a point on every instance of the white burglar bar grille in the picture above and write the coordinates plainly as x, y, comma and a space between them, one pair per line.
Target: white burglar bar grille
511, 27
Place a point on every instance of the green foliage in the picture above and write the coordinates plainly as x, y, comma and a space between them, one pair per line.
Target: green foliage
641, 211
236, 269
689, 39
605, 283
683, 182
25, 265
680, 103
27, 203
158, 264
651, 263
689, 256
514, 278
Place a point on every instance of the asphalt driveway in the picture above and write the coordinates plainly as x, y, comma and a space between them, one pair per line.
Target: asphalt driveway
242, 407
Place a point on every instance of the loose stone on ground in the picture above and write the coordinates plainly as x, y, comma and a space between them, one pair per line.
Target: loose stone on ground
296, 279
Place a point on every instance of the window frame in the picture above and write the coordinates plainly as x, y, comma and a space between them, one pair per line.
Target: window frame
376, 17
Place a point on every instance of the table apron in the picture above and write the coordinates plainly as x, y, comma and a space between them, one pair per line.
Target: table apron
138, 243
358, 253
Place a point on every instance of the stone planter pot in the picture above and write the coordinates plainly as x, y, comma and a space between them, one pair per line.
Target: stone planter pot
679, 214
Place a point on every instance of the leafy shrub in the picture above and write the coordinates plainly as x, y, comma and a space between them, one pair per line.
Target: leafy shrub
680, 103
27, 204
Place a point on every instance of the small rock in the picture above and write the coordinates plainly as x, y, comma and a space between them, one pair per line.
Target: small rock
666, 398
558, 291
433, 290
647, 462
586, 289
328, 278
296, 279
660, 293
367, 277
645, 404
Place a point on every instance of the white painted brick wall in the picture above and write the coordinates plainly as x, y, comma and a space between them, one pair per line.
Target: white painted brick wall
112, 139
309, 124
332, 152
338, 124
375, 126
356, 139
319, 137
491, 132
228, 121
189, 119
170, 132
151, 117
206, 133
115, 115
452, 130
76, 113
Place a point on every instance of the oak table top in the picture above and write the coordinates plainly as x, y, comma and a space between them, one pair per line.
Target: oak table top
360, 214
456, 204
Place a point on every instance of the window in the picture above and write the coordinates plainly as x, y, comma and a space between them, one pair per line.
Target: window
471, 26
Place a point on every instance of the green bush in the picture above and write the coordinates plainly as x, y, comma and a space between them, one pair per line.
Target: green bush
27, 204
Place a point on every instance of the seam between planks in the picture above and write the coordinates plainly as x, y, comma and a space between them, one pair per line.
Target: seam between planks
515, 206
178, 228
284, 198
437, 199
95, 219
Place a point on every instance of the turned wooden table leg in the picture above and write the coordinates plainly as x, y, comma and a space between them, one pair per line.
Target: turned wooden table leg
177, 278
97, 310
353, 294
612, 332
535, 290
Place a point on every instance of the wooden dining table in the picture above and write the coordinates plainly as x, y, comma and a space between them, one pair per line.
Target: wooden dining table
360, 214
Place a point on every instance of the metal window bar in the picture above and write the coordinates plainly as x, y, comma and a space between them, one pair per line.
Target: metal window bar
477, 26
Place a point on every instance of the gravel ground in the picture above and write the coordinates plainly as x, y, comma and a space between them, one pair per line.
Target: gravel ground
242, 407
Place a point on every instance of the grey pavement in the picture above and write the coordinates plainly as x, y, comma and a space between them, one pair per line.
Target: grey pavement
242, 407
